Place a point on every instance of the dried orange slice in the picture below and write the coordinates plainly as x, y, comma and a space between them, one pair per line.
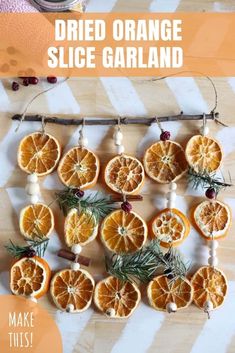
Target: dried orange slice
124, 174
209, 284
123, 232
38, 153
79, 228
72, 290
116, 298
36, 221
165, 161
212, 219
79, 168
203, 154
162, 291
30, 277
170, 226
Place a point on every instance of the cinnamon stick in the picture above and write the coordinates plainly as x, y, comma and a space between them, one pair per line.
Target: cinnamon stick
119, 198
68, 255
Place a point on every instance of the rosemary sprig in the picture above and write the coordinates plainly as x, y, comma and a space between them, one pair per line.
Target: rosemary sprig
207, 180
38, 245
144, 264
98, 205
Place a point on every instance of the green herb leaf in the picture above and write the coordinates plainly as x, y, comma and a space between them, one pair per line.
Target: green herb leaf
38, 244
144, 264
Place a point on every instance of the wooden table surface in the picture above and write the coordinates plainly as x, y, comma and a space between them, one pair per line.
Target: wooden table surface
147, 330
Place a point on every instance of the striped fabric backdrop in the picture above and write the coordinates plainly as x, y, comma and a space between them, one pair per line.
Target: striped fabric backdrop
147, 330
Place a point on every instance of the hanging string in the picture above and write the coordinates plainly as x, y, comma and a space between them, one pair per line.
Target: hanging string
215, 116
28, 105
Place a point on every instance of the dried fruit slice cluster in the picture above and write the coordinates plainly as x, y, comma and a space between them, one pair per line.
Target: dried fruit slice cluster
38, 153
165, 161
80, 228
124, 174
36, 221
209, 284
162, 291
79, 168
30, 276
116, 298
123, 232
170, 226
212, 219
203, 154
72, 288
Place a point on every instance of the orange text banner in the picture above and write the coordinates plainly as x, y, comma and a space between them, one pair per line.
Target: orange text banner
117, 44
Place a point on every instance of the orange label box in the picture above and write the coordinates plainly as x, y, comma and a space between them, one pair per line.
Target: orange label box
117, 44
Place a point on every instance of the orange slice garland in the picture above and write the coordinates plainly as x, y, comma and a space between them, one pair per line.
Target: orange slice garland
162, 291
72, 290
30, 277
170, 226
123, 232
209, 284
79, 228
124, 174
116, 298
212, 219
79, 168
38, 153
203, 154
36, 221
165, 161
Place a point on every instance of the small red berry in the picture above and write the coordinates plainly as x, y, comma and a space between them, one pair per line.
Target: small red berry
126, 206
33, 80
210, 193
79, 193
26, 81
165, 135
15, 86
30, 253
52, 79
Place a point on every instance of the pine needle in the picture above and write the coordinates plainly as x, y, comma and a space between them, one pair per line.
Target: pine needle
38, 244
98, 205
144, 264
207, 180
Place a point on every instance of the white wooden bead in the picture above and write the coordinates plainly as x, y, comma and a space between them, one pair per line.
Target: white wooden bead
212, 252
32, 178
208, 306
213, 261
171, 196
32, 298
75, 266
76, 249
83, 141
33, 199
110, 312
204, 130
120, 149
171, 307
173, 186
70, 308
213, 244
32, 189
118, 142
118, 135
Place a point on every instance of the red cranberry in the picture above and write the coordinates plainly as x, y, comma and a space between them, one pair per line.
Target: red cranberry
26, 81
15, 86
52, 79
210, 193
126, 206
165, 135
33, 80
79, 193
30, 253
